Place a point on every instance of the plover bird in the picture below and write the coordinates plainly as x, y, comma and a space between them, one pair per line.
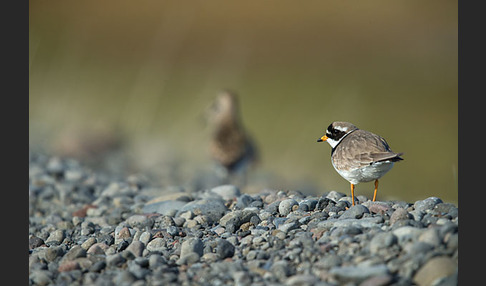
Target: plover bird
230, 145
359, 155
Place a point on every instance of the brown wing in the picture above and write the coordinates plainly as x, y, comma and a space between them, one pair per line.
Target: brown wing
230, 145
362, 148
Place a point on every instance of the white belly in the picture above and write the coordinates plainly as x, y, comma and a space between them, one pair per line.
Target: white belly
366, 174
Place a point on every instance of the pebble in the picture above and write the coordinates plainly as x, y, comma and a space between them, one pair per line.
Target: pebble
53, 252
382, 240
192, 245
225, 249
434, 270
98, 248
157, 245
87, 227
88, 243
115, 260
165, 207
140, 221
427, 204
35, 242
214, 209
407, 233
56, 237
399, 214
285, 206
136, 247
75, 252
226, 192
358, 273
41, 277
356, 211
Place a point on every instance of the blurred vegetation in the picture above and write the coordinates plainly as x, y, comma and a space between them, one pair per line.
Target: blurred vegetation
139, 75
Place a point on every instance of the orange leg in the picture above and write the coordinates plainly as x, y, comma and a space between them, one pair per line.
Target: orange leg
376, 189
352, 193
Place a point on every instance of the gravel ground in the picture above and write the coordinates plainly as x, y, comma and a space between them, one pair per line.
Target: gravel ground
86, 228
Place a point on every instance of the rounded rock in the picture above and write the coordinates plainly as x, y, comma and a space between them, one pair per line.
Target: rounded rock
285, 206
382, 240
356, 211
435, 269
427, 204
225, 249
227, 192
157, 244
192, 245
399, 214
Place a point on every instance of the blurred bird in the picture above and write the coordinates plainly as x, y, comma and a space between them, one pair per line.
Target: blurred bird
359, 155
230, 145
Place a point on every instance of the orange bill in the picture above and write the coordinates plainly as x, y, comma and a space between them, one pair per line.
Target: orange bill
323, 138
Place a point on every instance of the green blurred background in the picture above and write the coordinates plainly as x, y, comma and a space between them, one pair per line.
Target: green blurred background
137, 75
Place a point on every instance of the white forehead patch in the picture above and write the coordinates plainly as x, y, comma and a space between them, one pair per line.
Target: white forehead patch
341, 128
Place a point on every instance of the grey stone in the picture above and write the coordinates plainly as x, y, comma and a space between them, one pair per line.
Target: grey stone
140, 221
138, 271
97, 266
356, 211
380, 280
369, 222
164, 207
329, 261
348, 230
281, 269
124, 277
335, 196
98, 248
233, 220
358, 273
136, 247
417, 248
286, 227
446, 209
406, 234
75, 252
430, 236
156, 260
214, 209
427, 204
145, 237
417, 215
285, 206
157, 244
241, 278
225, 249
227, 192
41, 277
301, 280
35, 242
173, 230
115, 260
310, 203
192, 244
188, 258
56, 237
115, 189
382, 241
243, 201
88, 243
272, 207
53, 252
399, 214
434, 270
